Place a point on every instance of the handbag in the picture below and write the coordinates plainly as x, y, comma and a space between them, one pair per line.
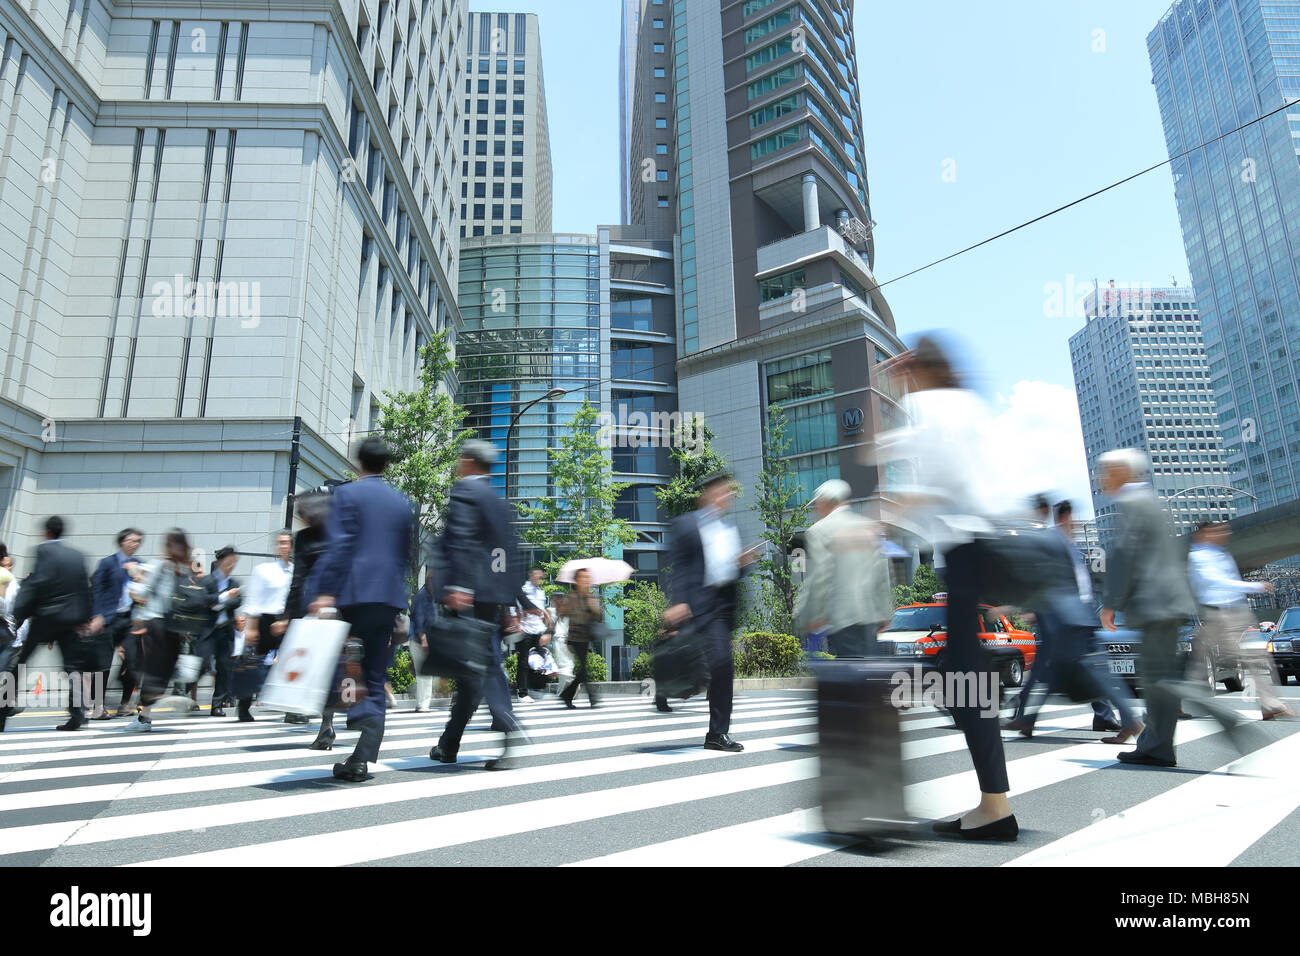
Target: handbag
459, 647
248, 675
189, 612
681, 666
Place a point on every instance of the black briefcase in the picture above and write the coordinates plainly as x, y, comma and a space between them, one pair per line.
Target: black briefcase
860, 748
681, 665
459, 647
248, 675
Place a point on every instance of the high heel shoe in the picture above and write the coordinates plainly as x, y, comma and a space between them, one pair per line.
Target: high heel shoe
323, 741
1005, 830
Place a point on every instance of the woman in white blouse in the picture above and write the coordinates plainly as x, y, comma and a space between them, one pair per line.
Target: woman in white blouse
950, 497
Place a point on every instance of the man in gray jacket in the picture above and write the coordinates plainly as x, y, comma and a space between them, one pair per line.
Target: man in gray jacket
1146, 579
846, 586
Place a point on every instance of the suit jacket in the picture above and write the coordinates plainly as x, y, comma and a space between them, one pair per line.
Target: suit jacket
424, 611
847, 580
56, 596
478, 550
1146, 570
686, 581
214, 597
106, 586
1059, 605
368, 543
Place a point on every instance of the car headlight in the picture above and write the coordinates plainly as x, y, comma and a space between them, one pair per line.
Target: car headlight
909, 648
1280, 647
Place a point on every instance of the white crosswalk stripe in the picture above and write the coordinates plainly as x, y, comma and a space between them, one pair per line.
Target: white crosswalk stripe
616, 785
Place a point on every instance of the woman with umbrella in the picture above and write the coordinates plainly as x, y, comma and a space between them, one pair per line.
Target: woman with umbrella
586, 615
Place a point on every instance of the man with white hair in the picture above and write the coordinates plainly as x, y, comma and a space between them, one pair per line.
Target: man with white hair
1146, 579
846, 581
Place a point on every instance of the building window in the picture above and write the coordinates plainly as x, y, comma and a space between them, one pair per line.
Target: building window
632, 313
498, 190
778, 287
480, 147
482, 106
499, 169
516, 169
661, 175
480, 168
519, 66
517, 148
517, 127
658, 24
498, 210
775, 110
638, 503
478, 210
519, 88
770, 144
659, 48
516, 211
661, 149
499, 148
482, 86
498, 128
501, 87
662, 202
800, 377
661, 97
480, 190
516, 190
501, 107
519, 108
480, 128
660, 73
633, 362
661, 123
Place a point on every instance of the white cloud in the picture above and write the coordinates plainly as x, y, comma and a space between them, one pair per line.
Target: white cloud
1038, 446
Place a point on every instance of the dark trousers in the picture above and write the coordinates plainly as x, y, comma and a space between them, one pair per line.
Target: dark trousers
1069, 661
72, 650
471, 692
716, 629
115, 633
525, 644
965, 656
267, 642
132, 663
579, 650
857, 640
159, 650
372, 625
218, 646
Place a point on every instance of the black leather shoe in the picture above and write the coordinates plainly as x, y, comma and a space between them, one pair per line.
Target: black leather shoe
1145, 760
1101, 723
353, 771
217, 711
440, 755
662, 707
1026, 729
722, 742
297, 719
73, 724
323, 741
499, 727
1005, 830
570, 705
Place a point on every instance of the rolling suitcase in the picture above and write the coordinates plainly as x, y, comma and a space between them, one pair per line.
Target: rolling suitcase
860, 748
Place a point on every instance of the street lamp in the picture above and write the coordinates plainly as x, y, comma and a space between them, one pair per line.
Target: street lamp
553, 394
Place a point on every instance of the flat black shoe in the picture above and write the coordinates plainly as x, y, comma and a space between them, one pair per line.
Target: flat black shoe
722, 742
73, 724
297, 719
1145, 760
1005, 830
663, 708
1100, 723
1025, 728
440, 755
570, 705
322, 742
352, 772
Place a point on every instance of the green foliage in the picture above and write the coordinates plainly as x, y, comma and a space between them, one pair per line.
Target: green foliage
764, 654
402, 674
760, 605
512, 667
423, 431
596, 670
578, 520
782, 516
643, 668
694, 464
643, 605
925, 585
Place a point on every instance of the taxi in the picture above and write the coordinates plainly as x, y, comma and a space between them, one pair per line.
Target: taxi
921, 631
1284, 644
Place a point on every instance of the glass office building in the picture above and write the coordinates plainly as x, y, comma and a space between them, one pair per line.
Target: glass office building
1217, 66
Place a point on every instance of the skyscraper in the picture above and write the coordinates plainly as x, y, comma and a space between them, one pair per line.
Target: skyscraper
629, 24
747, 146
506, 140
224, 239
1217, 66
1143, 382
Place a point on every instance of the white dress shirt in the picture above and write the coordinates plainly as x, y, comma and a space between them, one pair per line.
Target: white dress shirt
721, 543
1215, 577
269, 588
529, 623
1081, 575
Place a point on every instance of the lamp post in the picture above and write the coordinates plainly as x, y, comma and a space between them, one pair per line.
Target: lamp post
553, 394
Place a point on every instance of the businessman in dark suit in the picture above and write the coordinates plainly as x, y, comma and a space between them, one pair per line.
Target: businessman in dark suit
111, 606
1146, 580
707, 562
219, 643
56, 599
368, 536
478, 564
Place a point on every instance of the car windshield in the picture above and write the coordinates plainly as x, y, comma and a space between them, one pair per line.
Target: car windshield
919, 619
1290, 620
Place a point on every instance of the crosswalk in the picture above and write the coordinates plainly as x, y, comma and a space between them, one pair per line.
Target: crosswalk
618, 785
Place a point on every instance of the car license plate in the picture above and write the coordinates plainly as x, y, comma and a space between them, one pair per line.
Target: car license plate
1122, 667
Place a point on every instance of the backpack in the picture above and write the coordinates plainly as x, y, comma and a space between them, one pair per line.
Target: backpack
190, 613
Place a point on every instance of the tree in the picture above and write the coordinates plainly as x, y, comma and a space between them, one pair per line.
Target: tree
925, 584
695, 462
643, 605
782, 516
578, 520
423, 430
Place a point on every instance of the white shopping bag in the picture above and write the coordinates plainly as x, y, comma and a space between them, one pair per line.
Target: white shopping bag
302, 676
560, 648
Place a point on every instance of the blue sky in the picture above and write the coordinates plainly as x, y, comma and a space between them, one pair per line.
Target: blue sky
1026, 105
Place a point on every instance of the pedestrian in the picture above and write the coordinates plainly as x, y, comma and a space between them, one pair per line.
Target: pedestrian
584, 612
477, 561
368, 539
846, 580
949, 498
219, 643
1221, 594
707, 562
56, 600
111, 606
535, 620
1147, 580
175, 611
424, 611
268, 588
